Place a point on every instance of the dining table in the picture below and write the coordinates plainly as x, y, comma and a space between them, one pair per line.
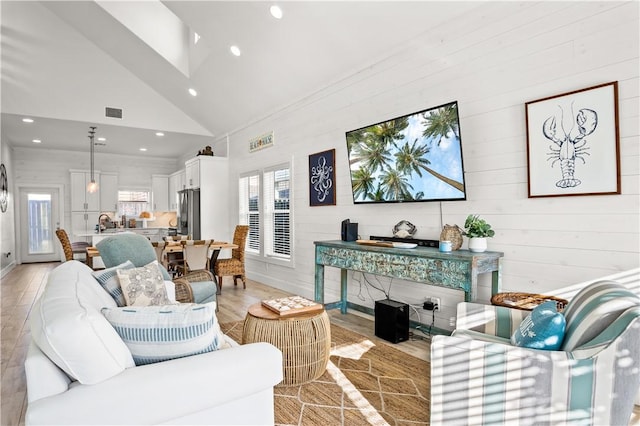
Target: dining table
172, 248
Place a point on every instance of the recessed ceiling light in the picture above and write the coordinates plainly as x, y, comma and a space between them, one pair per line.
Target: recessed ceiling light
102, 139
143, 149
27, 120
36, 141
193, 92
235, 50
276, 12
159, 134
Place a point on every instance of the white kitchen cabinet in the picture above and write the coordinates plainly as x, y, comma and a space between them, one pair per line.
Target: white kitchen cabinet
192, 172
176, 183
85, 206
160, 193
214, 193
83, 223
108, 192
81, 200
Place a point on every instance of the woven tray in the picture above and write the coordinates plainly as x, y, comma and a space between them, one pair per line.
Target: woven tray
525, 301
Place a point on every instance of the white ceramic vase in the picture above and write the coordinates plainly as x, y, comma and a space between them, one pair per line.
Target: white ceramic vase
477, 244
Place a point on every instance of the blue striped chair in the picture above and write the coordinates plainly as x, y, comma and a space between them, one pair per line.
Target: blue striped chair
479, 378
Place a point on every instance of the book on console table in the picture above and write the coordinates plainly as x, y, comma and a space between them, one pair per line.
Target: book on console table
291, 305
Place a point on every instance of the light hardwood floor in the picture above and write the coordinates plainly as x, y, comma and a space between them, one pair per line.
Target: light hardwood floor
21, 287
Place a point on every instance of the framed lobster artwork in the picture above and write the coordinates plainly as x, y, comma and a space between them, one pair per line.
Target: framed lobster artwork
573, 143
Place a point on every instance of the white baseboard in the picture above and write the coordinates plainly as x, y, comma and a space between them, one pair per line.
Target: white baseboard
4, 271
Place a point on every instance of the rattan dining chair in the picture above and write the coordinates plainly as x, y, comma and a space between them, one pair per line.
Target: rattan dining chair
234, 266
69, 248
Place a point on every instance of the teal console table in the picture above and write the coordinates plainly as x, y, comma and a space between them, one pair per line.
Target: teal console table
457, 270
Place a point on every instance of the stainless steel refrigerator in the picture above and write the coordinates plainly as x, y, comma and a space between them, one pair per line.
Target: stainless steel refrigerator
189, 220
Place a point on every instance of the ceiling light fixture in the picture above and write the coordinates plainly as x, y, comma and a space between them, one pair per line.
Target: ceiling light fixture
235, 50
276, 12
102, 139
193, 92
36, 141
143, 149
159, 134
27, 120
92, 186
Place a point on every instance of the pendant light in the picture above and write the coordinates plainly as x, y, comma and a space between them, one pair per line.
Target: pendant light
92, 186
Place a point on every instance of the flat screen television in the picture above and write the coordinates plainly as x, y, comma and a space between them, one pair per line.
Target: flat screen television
415, 157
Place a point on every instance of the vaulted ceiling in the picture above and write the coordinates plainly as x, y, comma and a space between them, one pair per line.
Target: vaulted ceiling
63, 63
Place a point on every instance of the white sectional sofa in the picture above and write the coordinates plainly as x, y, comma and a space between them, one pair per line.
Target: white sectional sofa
79, 371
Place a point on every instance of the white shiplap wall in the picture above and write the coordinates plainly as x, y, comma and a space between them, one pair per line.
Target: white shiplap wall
491, 62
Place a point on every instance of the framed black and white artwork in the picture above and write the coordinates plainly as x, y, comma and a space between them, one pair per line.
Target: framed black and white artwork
573, 143
322, 178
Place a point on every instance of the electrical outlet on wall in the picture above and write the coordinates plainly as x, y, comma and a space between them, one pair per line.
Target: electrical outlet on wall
436, 303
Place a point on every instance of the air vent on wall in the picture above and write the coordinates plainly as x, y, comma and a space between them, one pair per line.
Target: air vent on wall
113, 112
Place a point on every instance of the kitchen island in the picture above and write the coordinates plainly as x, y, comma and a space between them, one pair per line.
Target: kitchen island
154, 234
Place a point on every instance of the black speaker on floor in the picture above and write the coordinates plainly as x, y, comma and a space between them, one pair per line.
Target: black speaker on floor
392, 320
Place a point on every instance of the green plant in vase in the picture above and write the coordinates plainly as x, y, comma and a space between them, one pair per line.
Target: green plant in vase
478, 230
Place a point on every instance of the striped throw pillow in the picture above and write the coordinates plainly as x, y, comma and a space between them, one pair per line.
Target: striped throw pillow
108, 279
593, 309
160, 333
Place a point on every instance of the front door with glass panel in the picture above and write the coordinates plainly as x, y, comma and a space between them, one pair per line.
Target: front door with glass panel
38, 222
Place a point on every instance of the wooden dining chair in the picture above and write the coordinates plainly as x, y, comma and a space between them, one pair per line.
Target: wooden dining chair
69, 248
159, 247
195, 255
233, 266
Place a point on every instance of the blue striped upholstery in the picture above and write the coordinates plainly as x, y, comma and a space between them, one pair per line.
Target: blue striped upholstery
108, 279
160, 333
487, 319
593, 309
478, 379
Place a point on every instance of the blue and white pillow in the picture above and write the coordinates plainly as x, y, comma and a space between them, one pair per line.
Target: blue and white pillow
108, 279
160, 333
543, 329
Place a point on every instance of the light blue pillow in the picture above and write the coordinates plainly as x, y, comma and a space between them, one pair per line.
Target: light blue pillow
108, 279
543, 328
160, 333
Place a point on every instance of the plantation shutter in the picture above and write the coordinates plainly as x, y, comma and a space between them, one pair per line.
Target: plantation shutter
249, 209
277, 232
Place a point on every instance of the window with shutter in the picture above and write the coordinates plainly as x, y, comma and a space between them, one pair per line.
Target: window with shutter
264, 205
132, 203
249, 209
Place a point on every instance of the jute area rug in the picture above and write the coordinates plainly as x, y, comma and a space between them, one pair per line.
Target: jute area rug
365, 384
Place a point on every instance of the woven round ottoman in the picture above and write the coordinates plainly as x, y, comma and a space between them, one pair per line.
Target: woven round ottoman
304, 339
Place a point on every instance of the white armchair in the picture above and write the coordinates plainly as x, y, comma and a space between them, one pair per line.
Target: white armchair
478, 377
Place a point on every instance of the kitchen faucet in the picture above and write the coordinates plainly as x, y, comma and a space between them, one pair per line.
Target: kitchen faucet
100, 221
